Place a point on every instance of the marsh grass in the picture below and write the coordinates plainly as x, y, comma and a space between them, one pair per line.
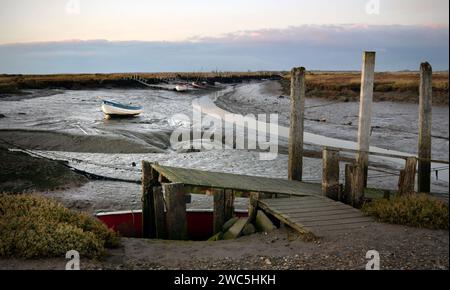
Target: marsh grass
32, 226
416, 210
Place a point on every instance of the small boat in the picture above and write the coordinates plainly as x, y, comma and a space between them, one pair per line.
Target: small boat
111, 108
197, 86
181, 88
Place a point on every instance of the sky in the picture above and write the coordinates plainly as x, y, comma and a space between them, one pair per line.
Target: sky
69, 36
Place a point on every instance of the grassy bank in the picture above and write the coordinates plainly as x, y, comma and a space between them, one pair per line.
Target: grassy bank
340, 86
416, 210
345, 86
13, 84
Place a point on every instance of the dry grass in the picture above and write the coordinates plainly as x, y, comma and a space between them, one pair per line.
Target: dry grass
35, 227
14, 83
416, 210
345, 86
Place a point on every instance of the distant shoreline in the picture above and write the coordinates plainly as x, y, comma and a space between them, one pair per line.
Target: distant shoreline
333, 85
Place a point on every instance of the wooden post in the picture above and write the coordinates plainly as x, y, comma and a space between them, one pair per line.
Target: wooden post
229, 204
357, 186
149, 180
330, 173
407, 177
223, 207
253, 206
425, 102
160, 214
295, 166
365, 111
219, 209
176, 211
347, 194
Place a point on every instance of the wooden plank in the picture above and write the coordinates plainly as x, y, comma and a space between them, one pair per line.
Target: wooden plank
160, 214
284, 220
308, 207
304, 204
305, 210
176, 211
320, 214
339, 222
237, 182
322, 229
314, 218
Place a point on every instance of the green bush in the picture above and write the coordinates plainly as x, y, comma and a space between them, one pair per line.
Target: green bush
417, 210
36, 227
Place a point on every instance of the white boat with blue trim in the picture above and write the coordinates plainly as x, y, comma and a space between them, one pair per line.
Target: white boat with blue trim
112, 108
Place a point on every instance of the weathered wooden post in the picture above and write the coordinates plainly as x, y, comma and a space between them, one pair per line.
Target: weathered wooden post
253, 206
160, 214
298, 90
357, 186
407, 178
347, 194
365, 111
149, 181
219, 209
223, 207
229, 204
176, 211
425, 102
330, 173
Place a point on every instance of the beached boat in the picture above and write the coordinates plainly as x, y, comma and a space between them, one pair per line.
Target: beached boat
111, 108
198, 86
181, 88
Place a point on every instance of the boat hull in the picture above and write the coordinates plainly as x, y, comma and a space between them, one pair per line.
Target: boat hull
129, 223
109, 109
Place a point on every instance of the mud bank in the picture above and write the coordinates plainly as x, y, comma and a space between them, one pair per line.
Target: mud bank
61, 141
20, 172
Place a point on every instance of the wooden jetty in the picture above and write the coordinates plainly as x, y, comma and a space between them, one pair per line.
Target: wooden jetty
297, 204
317, 215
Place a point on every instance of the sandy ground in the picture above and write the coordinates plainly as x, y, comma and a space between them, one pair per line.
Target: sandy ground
399, 247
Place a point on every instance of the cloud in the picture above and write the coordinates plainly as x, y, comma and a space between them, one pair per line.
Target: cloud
322, 47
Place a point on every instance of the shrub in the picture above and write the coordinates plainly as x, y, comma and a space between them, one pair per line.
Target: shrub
36, 227
417, 210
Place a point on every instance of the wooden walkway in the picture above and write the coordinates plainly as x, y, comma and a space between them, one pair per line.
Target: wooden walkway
315, 214
301, 205
237, 182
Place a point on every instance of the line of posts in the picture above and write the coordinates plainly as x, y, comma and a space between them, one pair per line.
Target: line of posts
356, 173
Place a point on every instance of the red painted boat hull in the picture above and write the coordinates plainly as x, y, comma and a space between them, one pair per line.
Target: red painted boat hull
129, 223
